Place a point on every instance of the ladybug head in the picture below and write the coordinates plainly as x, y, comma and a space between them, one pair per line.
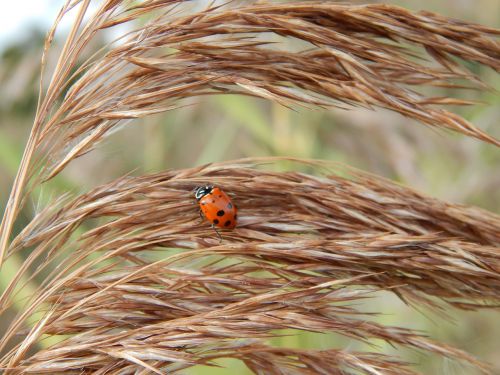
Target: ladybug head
201, 191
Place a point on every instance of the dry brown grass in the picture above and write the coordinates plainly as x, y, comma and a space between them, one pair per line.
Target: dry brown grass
307, 245
353, 55
302, 243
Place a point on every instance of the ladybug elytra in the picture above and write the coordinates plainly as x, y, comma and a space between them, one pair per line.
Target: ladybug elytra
216, 206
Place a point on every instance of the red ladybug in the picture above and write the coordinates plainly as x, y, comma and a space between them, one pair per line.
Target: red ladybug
216, 206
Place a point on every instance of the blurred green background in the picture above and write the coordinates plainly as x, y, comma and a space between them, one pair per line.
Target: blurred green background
441, 164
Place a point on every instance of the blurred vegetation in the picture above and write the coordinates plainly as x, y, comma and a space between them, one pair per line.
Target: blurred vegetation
447, 166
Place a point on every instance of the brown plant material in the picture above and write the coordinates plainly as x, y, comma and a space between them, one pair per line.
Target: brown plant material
306, 247
353, 55
132, 282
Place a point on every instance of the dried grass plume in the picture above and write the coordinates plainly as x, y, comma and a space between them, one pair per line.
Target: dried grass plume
133, 283
124, 301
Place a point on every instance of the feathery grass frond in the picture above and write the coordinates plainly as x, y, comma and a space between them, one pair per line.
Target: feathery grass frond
352, 55
150, 287
130, 281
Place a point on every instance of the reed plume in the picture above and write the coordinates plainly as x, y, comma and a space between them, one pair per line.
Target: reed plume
134, 283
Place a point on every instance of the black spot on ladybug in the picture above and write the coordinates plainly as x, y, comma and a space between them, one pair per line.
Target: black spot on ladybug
213, 200
227, 223
220, 196
216, 221
229, 205
220, 213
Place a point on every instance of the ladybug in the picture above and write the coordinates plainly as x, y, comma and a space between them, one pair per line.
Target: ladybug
216, 206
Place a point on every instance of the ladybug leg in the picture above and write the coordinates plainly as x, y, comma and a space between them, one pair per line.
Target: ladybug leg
218, 234
201, 215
